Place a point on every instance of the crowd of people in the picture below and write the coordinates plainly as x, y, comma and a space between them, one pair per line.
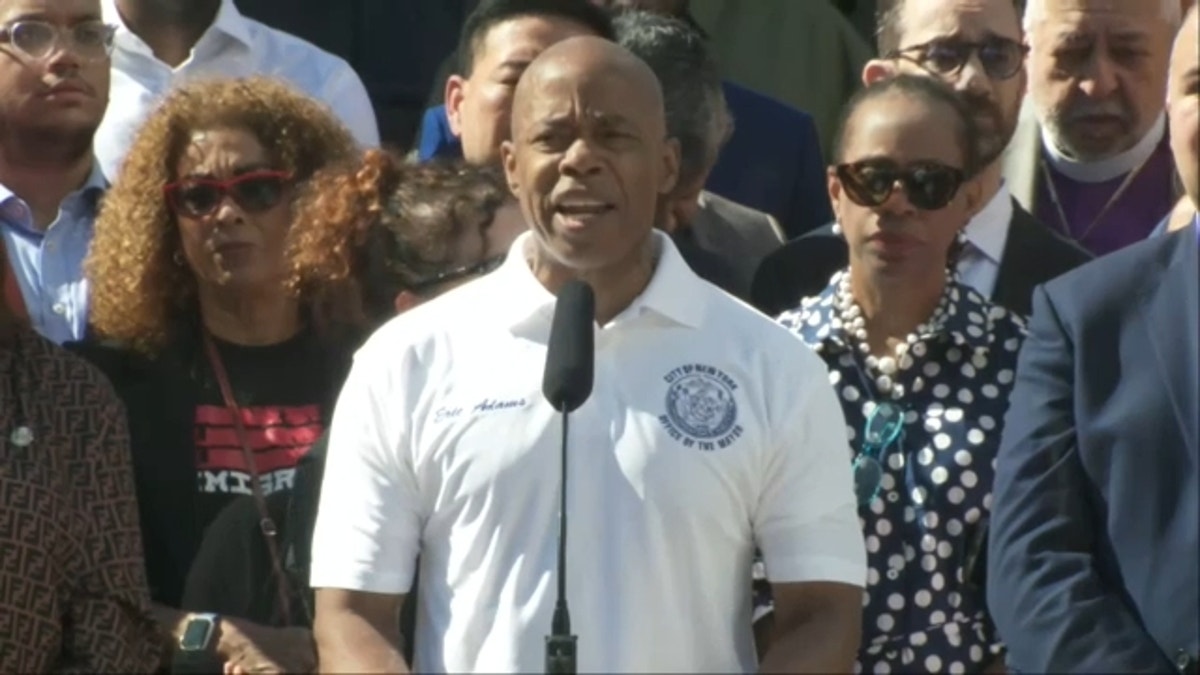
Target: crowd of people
270, 393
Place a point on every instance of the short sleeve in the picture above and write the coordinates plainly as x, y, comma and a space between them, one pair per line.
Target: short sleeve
369, 521
806, 524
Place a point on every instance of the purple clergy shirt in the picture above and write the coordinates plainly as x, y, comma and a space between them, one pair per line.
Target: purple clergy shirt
1131, 218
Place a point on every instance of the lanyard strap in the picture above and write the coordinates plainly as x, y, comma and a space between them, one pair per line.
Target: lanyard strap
266, 523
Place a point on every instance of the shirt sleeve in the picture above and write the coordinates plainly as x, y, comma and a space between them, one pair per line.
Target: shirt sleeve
368, 527
347, 96
807, 522
110, 628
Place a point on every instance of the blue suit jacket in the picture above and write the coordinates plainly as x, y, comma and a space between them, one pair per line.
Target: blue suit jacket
772, 162
1094, 553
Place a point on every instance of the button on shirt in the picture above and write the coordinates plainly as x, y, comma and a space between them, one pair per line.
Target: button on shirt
48, 265
709, 429
233, 46
920, 612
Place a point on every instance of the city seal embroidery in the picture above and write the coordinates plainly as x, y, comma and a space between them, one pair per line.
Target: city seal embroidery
701, 411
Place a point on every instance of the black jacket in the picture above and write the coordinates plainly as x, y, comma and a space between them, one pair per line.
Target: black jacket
1033, 255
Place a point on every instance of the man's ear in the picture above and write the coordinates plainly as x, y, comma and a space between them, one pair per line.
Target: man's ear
878, 69
670, 176
508, 159
456, 87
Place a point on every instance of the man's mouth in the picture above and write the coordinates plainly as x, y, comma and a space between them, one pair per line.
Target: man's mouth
582, 208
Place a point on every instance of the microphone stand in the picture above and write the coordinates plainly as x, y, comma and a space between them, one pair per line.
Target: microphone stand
560, 643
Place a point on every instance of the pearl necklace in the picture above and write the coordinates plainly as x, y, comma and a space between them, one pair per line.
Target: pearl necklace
849, 316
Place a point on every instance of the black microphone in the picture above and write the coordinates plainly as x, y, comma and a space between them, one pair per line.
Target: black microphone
566, 384
571, 353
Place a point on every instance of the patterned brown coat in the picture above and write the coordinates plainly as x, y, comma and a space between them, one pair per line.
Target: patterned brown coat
73, 594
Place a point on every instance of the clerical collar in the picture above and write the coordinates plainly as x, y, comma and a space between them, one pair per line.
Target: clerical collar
1110, 168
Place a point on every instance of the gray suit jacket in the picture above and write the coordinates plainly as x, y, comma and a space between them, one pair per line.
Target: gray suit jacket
739, 236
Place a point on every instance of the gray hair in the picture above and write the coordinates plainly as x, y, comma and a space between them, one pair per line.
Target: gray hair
1171, 11
697, 116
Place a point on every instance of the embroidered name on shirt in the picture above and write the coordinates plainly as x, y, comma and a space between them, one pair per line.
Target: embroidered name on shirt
701, 411
487, 405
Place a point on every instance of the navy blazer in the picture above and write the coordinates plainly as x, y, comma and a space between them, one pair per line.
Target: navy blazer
772, 162
1093, 560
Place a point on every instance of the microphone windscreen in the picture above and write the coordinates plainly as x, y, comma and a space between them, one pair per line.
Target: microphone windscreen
571, 354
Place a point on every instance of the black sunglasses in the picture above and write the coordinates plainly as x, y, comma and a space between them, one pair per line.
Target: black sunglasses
929, 186
466, 271
1001, 58
254, 192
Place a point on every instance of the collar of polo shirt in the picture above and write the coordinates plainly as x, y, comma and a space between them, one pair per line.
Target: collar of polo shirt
670, 294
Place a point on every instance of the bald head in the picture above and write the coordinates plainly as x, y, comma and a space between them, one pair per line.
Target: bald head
589, 157
582, 61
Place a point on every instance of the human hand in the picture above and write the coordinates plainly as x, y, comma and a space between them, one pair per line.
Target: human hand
248, 648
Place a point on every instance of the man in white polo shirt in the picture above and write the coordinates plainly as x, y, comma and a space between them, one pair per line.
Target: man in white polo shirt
709, 430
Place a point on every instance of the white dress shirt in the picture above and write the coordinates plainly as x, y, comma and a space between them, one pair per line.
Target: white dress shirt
709, 429
987, 233
233, 46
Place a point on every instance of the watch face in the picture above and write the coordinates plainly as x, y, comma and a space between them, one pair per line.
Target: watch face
196, 634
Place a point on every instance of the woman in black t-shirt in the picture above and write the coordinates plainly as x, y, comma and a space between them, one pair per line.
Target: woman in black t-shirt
372, 239
225, 378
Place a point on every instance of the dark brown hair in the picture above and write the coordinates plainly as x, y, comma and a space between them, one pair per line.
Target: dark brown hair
888, 20
367, 230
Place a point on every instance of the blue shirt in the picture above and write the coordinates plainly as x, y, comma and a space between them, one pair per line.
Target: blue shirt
920, 612
48, 264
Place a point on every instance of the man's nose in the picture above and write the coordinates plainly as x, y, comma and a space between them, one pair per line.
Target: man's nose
1099, 78
580, 158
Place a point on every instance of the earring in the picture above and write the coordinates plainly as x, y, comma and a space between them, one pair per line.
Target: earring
837, 227
177, 258
961, 237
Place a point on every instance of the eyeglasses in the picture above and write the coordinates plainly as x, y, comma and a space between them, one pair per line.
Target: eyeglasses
929, 186
254, 192
466, 271
90, 40
1001, 58
883, 428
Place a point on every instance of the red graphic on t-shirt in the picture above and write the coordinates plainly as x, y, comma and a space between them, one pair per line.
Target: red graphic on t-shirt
277, 435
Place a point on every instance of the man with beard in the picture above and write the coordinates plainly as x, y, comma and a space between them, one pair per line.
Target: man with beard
1092, 159
160, 43
1095, 539
54, 78
975, 47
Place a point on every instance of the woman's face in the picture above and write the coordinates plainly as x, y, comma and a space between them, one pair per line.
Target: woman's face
904, 156
233, 210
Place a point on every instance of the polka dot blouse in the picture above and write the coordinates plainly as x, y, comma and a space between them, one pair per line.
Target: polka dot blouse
922, 611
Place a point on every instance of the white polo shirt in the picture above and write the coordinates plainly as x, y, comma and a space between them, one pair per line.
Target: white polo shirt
709, 429
233, 46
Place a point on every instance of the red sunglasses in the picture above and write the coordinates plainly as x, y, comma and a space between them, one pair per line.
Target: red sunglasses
254, 192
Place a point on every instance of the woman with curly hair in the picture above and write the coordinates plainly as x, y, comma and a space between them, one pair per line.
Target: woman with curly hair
371, 239
225, 378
